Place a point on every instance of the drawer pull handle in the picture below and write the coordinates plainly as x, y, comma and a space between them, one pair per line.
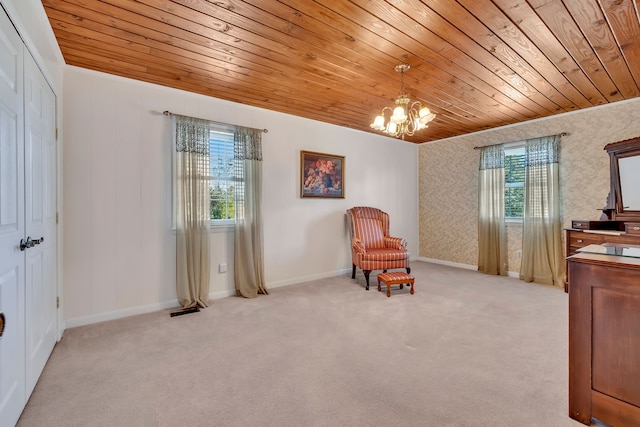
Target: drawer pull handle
635, 228
579, 240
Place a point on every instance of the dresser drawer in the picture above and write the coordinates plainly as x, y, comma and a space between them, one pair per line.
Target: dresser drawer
597, 225
580, 225
579, 240
632, 228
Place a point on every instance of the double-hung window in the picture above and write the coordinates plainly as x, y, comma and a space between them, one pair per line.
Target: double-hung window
226, 184
225, 177
514, 165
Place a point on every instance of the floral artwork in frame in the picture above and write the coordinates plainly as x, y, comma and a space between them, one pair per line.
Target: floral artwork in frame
321, 175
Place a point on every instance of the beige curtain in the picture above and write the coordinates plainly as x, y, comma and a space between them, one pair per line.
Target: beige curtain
192, 216
492, 240
248, 259
542, 259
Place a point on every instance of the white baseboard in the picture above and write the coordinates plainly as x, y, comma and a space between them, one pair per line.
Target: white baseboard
221, 294
309, 278
460, 265
449, 263
132, 311
118, 314
149, 308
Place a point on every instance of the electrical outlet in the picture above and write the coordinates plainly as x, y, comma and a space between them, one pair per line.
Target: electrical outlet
222, 267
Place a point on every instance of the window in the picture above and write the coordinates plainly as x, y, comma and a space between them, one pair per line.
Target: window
225, 176
514, 170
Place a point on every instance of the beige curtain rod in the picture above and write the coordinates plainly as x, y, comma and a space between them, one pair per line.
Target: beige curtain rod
169, 113
491, 145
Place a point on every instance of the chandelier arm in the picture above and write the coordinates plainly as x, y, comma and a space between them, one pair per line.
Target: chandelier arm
416, 104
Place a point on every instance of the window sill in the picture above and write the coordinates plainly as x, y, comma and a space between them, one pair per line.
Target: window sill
215, 228
513, 221
221, 228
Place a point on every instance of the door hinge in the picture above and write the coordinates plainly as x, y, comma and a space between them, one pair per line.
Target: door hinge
57, 217
56, 134
57, 302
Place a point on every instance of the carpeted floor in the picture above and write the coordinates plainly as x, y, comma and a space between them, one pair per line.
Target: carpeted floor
465, 350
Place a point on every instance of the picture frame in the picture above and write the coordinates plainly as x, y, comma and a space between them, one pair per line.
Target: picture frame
321, 175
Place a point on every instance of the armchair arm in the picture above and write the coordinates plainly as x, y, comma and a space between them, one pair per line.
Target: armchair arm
395, 242
356, 243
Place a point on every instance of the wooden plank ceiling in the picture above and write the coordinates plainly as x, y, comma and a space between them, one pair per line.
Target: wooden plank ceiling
477, 64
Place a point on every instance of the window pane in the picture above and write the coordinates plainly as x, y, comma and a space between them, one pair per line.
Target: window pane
219, 203
223, 175
514, 185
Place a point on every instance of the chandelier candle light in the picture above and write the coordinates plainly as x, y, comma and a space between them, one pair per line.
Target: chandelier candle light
407, 117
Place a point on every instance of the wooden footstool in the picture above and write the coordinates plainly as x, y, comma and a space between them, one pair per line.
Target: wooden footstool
395, 278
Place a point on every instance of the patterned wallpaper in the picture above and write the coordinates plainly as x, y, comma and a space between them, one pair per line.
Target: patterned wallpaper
448, 177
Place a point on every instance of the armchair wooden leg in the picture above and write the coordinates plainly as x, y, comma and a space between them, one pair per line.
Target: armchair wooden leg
366, 277
353, 272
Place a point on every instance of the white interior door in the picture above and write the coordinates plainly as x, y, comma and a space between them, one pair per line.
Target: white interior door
40, 220
12, 226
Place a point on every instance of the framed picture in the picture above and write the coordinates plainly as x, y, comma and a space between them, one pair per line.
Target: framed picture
321, 175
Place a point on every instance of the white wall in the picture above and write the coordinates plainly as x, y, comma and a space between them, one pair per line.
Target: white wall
119, 250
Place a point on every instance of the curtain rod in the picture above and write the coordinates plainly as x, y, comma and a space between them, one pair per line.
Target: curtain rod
169, 113
491, 145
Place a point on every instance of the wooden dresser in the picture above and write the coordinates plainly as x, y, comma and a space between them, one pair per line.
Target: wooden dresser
604, 339
604, 300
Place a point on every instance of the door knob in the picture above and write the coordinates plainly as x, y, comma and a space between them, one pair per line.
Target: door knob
26, 244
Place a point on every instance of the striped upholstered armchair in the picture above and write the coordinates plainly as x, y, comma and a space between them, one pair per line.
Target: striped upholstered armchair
371, 246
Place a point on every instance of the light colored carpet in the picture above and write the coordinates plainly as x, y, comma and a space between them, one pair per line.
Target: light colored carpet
466, 349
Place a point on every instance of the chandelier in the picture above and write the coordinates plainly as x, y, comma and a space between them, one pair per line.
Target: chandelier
406, 117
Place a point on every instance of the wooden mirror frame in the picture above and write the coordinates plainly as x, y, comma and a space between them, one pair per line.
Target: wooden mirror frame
618, 150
